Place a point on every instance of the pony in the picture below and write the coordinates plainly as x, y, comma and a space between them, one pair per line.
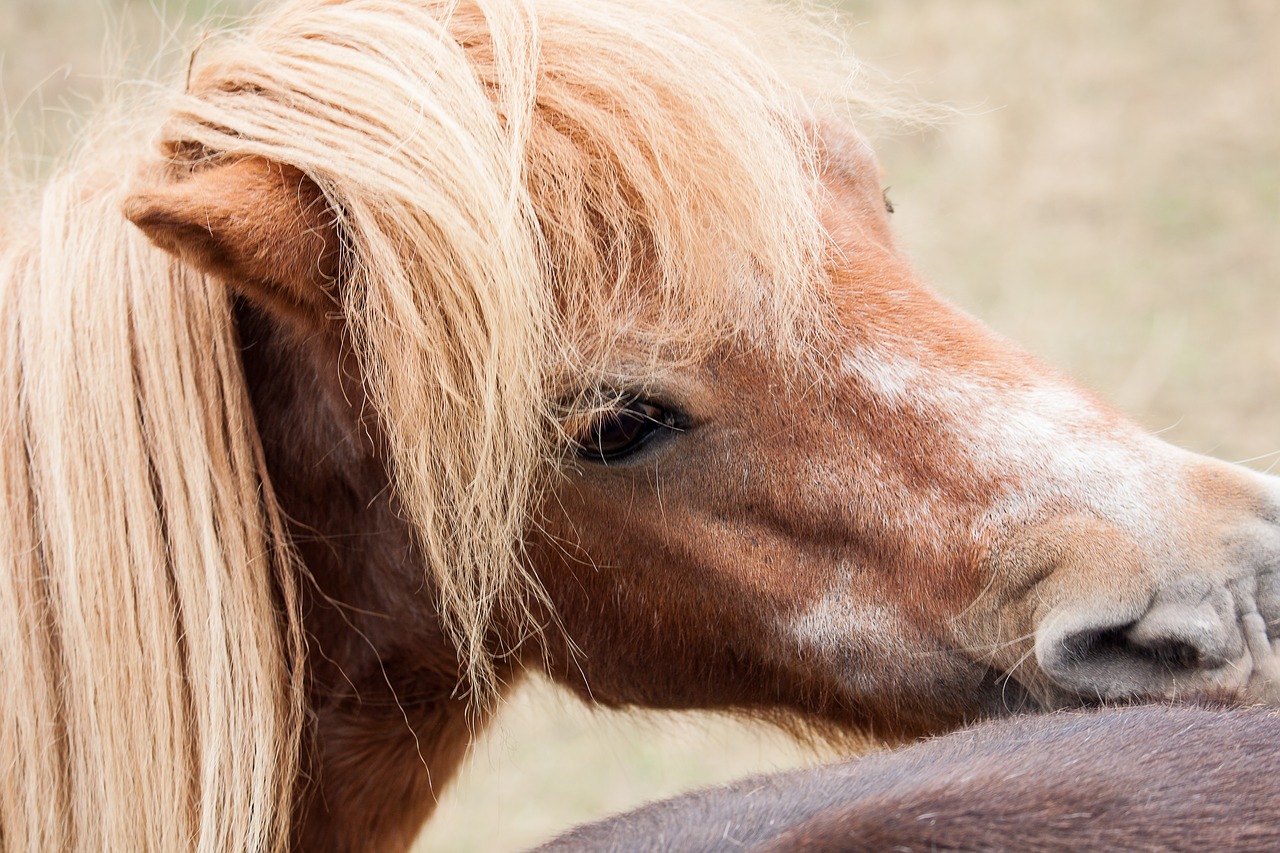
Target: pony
406, 346
1139, 778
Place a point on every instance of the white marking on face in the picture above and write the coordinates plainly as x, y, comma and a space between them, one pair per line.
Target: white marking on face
893, 379
846, 634
1046, 440
1035, 449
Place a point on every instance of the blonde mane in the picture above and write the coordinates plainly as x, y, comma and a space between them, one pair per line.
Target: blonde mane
151, 694
518, 186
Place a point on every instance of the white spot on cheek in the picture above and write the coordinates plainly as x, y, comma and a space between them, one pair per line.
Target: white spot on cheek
845, 632
892, 379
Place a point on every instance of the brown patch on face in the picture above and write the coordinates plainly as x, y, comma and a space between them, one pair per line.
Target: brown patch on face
681, 573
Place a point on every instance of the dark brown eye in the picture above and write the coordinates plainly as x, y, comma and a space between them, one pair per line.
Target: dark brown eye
615, 434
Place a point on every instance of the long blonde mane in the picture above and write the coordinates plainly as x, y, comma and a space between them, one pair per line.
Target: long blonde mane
520, 187
151, 655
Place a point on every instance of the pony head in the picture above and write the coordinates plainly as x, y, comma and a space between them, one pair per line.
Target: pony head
573, 335
626, 318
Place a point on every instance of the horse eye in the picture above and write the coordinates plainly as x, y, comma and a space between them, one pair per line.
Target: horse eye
618, 433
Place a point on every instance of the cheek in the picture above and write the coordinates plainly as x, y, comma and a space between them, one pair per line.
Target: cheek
673, 601
756, 577
860, 638
714, 522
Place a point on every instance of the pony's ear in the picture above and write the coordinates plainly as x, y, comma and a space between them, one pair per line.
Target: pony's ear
264, 227
858, 206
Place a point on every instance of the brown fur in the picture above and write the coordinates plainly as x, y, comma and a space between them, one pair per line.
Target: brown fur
1138, 779
230, 220
387, 731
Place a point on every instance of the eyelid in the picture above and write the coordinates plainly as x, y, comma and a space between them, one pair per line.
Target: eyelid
649, 418
580, 409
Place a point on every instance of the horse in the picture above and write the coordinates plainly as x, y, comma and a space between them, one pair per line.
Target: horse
1154, 778
406, 346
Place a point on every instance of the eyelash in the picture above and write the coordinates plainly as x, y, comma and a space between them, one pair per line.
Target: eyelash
616, 434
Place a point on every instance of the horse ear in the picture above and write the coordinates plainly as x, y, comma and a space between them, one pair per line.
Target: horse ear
264, 227
858, 206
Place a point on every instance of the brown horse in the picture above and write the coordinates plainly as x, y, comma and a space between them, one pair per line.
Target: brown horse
1137, 779
566, 335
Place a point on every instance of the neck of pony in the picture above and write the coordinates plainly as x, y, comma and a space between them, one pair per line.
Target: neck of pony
389, 726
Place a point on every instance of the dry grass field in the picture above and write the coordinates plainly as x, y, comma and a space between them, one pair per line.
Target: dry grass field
1110, 197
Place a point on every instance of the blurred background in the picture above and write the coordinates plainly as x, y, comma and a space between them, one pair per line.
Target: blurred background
1109, 196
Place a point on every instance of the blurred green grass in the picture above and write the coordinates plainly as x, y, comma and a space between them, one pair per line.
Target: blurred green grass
1110, 198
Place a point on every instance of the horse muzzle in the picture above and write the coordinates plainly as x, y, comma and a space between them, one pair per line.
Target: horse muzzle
1193, 612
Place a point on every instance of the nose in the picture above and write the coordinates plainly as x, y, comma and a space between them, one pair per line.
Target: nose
1187, 639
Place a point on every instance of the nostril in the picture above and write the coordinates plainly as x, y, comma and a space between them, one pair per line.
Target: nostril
1175, 655
1117, 646
1084, 646
1169, 649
